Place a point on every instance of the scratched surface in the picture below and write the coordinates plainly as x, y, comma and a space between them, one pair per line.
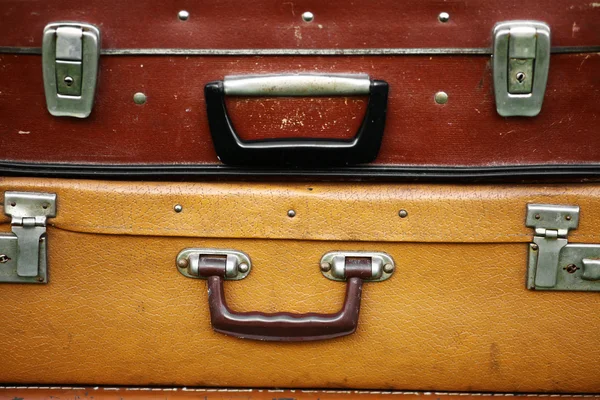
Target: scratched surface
133, 393
172, 126
231, 24
455, 316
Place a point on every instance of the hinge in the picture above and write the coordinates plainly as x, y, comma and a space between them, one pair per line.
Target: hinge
554, 263
23, 253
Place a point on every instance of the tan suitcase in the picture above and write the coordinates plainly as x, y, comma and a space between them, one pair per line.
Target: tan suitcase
456, 314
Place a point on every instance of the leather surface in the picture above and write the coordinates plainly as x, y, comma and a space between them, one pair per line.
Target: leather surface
237, 24
172, 128
455, 316
130, 393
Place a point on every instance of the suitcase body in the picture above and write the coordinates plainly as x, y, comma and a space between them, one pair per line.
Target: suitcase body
423, 50
455, 314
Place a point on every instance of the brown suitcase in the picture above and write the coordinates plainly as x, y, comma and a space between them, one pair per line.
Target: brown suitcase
464, 306
441, 122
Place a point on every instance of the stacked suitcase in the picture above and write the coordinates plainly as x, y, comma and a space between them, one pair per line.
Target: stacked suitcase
401, 195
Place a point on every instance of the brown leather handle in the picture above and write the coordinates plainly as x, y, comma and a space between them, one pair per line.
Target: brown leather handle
284, 326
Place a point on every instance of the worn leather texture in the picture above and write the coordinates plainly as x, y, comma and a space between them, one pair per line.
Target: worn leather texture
134, 393
455, 316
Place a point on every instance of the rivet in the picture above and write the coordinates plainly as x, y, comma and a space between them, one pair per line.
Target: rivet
13, 204
403, 213
308, 16
325, 266
68, 80
40, 279
139, 98
183, 15
537, 216
243, 268
568, 217
444, 17
571, 268
4, 258
388, 268
291, 213
534, 246
178, 208
182, 262
441, 97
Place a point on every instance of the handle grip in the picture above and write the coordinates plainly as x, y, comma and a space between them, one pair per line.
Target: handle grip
284, 326
363, 148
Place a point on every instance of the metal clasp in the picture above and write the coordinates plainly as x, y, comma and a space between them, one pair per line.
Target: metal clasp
70, 53
237, 265
335, 264
23, 253
554, 263
520, 65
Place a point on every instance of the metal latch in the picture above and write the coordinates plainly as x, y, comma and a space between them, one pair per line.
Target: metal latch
555, 264
70, 53
23, 253
520, 65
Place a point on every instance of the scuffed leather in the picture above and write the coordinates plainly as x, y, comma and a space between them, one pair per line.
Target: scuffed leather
335, 211
455, 316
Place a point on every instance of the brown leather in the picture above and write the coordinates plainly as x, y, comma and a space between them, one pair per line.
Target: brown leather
237, 24
132, 393
172, 128
455, 316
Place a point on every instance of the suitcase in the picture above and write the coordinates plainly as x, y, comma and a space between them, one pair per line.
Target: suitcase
301, 285
388, 89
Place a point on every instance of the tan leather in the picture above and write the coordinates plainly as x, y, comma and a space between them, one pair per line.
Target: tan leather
455, 316
134, 393
336, 211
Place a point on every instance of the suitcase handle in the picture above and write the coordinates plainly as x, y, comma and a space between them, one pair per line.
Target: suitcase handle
282, 326
363, 148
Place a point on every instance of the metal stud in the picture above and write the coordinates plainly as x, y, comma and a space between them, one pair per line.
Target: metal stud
325, 266
308, 16
403, 213
444, 17
291, 213
441, 97
388, 268
182, 263
4, 258
243, 268
534, 246
139, 98
178, 208
183, 15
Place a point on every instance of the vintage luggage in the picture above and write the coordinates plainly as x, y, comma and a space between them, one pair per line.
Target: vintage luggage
458, 290
444, 89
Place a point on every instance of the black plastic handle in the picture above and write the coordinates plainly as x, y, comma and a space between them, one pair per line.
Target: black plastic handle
363, 148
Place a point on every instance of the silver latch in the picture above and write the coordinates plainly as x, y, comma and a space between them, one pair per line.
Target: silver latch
23, 253
555, 264
520, 65
70, 53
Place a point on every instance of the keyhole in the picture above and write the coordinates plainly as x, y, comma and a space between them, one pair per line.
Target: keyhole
68, 80
520, 77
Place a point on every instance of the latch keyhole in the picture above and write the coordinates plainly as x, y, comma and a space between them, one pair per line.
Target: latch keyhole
520, 77
69, 81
